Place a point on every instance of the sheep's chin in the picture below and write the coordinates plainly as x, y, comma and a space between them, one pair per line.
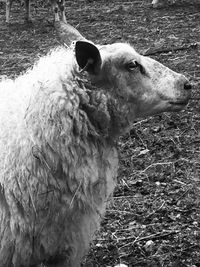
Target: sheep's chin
177, 106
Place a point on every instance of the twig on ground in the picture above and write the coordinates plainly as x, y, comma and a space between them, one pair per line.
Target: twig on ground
157, 235
156, 164
154, 51
168, 163
119, 211
152, 213
150, 237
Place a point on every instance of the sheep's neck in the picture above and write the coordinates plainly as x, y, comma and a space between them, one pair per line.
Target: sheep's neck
108, 115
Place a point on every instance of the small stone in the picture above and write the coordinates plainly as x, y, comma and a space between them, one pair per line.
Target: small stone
157, 183
149, 245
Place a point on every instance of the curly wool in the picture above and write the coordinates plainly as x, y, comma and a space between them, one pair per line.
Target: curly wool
58, 166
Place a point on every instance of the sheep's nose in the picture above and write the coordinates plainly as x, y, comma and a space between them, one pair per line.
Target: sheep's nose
187, 86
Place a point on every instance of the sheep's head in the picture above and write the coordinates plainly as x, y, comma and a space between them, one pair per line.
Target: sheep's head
142, 84
160, 3
155, 3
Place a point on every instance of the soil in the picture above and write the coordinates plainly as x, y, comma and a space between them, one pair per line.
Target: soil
154, 218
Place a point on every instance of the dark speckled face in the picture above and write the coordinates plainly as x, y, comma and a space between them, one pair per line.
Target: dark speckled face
149, 86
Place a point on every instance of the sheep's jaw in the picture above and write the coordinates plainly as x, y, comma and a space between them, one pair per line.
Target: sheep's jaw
178, 105
159, 106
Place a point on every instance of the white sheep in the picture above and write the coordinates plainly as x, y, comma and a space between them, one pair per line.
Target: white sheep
159, 3
56, 5
58, 160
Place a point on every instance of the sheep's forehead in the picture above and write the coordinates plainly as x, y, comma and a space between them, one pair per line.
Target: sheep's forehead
118, 53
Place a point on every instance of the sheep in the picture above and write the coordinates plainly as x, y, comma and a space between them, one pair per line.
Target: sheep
155, 3
159, 3
56, 5
59, 125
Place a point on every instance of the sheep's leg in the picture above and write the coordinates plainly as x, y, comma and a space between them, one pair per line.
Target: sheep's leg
79, 233
8, 9
62, 9
72, 256
55, 10
27, 6
61, 5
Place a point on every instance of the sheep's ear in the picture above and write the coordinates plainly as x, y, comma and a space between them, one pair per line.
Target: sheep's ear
88, 57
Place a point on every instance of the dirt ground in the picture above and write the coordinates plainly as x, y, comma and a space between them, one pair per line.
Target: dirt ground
154, 218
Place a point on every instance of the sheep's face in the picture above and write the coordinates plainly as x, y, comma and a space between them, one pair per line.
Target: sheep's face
155, 3
143, 84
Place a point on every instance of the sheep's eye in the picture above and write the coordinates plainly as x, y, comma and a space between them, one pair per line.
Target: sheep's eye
132, 65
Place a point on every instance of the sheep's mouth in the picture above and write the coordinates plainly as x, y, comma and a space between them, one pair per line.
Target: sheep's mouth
179, 103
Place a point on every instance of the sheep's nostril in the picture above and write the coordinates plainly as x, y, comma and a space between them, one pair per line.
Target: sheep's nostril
187, 86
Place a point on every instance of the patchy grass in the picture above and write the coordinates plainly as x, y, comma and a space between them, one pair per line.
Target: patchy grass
154, 218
